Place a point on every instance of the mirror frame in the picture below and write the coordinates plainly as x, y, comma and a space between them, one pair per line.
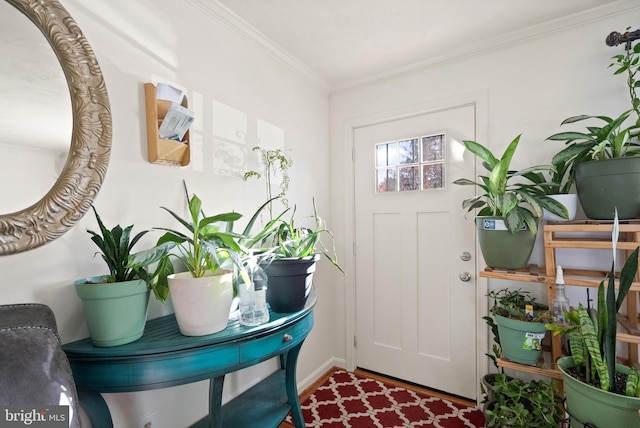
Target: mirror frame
83, 173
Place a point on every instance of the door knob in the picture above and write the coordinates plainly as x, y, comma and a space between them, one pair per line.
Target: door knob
465, 256
465, 277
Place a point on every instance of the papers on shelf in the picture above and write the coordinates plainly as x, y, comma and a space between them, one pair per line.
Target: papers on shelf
176, 122
169, 93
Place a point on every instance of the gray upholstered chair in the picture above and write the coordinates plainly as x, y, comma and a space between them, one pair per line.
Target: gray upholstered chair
34, 370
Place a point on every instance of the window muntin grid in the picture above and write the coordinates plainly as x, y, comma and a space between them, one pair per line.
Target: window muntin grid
417, 163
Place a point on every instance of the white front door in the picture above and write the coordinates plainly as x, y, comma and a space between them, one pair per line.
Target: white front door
416, 308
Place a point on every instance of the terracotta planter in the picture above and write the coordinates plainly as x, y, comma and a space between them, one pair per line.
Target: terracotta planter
201, 305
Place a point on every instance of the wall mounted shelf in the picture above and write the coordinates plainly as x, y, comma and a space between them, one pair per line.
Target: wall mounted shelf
160, 150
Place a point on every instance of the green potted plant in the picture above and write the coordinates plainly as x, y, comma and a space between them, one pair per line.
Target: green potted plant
510, 204
208, 249
291, 261
520, 321
115, 305
598, 390
604, 157
517, 403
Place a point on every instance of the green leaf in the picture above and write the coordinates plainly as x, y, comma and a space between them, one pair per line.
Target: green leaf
627, 276
574, 119
151, 255
569, 136
591, 341
633, 380
498, 176
480, 151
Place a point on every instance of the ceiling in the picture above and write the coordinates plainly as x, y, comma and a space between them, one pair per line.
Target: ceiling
346, 42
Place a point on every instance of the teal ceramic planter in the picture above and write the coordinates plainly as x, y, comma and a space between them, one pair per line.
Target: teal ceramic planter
116, 313
500, 248
604, 185
520, 340
589, 405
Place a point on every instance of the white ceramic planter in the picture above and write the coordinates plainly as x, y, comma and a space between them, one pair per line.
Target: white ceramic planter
570, 201
201, 305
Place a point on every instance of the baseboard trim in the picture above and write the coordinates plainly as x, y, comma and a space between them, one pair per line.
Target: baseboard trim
324, 371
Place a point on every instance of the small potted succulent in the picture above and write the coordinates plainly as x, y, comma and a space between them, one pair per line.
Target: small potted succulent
511, 204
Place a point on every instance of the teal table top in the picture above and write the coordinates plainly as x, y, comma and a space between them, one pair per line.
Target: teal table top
163, 335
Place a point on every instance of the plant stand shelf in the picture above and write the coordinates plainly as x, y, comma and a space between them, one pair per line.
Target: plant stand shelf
586, 235
538, 369
532, 273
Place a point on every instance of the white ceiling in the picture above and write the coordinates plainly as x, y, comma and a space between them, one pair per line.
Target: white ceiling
346, 42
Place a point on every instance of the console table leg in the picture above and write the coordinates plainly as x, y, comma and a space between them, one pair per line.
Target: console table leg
291, 361
215, 401
96, 408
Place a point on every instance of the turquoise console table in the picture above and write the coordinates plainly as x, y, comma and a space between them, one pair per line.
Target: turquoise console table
163, 357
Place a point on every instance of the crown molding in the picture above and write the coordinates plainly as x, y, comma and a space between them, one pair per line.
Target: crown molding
223, 15
504, 41
246, 31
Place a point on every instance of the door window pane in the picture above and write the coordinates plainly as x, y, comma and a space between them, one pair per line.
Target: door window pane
410, 164
386, 180
408, 151
409, 178
386, 154
433, 176
433, 148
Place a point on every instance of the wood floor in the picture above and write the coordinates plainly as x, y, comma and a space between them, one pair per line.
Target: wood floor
307, 392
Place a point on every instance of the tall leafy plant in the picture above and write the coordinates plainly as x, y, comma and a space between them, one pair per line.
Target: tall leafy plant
606, 137
205, 244
629, 63
292, 240
519, 203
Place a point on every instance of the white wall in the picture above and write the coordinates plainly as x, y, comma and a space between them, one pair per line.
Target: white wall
527, 88
173, 42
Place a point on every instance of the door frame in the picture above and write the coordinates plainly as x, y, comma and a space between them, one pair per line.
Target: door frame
479, 99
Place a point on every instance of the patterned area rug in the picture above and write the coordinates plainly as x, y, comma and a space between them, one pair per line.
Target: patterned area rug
349, 400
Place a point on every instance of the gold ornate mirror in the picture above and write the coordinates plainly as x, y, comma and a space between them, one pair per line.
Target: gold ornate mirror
82, 175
